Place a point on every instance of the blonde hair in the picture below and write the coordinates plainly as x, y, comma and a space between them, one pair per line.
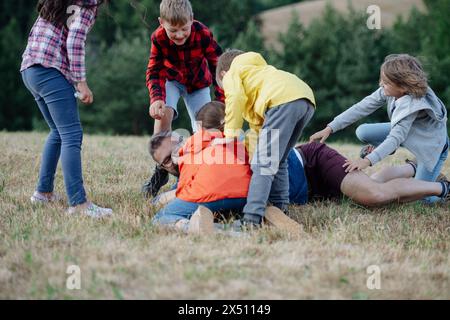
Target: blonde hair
225, 61
406, 72
176, 12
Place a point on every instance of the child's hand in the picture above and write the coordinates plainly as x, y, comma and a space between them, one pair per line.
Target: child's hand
222, 141
322, 135
359, 164
86, 95
157, 109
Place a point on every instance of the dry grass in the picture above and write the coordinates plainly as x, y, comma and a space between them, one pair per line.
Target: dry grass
276, 21
124, 257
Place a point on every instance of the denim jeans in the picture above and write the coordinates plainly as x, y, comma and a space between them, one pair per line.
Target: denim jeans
54, 96
376, 133
194, 101
179, 209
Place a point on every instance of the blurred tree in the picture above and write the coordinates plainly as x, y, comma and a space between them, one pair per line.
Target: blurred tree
117, 77
336, 55
16, 104
251, 39
426, 36
341, 65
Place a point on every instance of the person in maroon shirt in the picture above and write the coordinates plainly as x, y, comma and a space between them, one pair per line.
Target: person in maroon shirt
183, 59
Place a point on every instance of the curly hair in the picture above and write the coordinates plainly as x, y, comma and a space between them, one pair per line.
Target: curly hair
406, 72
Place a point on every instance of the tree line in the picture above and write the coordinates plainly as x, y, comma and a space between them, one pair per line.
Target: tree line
337, 55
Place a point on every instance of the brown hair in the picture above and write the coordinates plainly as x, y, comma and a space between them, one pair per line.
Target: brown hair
212, 115
176, 12
225, 61
55, 11
406, 72
157, 140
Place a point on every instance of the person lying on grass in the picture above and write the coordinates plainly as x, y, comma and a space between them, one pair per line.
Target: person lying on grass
317, 171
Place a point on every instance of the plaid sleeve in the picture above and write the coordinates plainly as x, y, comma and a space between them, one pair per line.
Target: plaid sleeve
76, 39
155, 76
212, 54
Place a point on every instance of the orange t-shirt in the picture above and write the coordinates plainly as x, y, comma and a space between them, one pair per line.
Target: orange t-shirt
212, 172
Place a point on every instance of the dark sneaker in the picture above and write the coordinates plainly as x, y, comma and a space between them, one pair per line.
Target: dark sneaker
413, 163
446, 186
152, 186
441, 177
251, 222
366, 150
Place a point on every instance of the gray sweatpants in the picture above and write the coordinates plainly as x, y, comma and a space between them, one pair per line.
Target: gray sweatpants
283, 125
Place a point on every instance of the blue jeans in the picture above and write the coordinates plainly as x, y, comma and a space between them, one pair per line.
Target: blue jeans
376, 133
194, 101
54, 96
179, 209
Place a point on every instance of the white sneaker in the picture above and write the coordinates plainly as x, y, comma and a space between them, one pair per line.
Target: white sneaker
92, 211
38, 198
202, 221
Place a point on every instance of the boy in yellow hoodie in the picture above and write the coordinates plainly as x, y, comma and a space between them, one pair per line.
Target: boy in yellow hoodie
277, 106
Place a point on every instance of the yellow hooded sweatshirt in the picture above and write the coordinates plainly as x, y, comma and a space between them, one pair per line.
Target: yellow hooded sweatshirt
252, 86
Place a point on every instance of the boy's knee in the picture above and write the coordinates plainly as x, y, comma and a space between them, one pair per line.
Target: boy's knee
361, 133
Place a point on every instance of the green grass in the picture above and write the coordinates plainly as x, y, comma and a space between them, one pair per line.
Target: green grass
124, 257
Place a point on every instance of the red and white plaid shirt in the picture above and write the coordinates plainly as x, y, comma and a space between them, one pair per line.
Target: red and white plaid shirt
62, 48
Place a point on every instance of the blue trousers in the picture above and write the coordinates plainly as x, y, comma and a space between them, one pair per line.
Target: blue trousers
54, 96
179, 209
194, 101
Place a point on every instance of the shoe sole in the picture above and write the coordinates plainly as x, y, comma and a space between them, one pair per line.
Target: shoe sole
281, 221
201, 222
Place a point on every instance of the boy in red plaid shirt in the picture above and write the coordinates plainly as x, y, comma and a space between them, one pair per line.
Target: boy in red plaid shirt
182, 63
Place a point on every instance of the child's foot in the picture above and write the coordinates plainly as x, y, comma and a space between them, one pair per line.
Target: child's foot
42, 198
366, 150
280, 220
202, 221
413, 163
159, 178
251, 222
90, 210
445, 195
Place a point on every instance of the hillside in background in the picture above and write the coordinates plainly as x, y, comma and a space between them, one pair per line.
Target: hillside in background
276, 21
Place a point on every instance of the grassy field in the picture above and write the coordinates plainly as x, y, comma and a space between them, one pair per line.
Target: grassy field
124, 257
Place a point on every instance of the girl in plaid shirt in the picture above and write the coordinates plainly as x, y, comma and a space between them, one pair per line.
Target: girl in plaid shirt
53, 64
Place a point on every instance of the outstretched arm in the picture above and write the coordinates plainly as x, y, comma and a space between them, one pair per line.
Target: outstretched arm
365, 107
